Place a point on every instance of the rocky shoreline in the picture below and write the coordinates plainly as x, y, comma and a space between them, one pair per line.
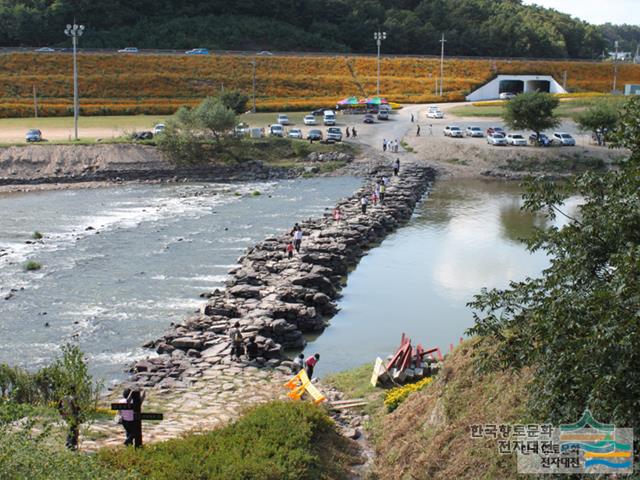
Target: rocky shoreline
276, 299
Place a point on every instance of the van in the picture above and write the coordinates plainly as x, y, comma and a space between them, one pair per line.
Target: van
276, 130
329, 117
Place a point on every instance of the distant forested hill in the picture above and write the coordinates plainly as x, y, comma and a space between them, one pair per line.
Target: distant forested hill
501, 28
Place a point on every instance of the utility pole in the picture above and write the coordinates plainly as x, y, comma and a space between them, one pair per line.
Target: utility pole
615, 68
442, 42
636, 59
379, 37
35, 101
564, 79
75, 31
253, 64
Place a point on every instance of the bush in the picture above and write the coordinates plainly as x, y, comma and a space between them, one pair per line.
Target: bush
278, 441
32, 265
396, 396
37, 235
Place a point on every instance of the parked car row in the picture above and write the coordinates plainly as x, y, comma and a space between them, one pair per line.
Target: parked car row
333, 134
497, 136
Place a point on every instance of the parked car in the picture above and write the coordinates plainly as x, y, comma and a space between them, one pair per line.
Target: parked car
310, 120
369, 118
283, 119
564, 139
33, 135
453, 131
507, 95
314, 135
276, 130
497, 139
334, 133
385, 107
516, 139
541, 140
434, 112
319, 112
295, 133
265, 53
242, 129
329, 117
45, 49
474, 132
128, 50
159, 128
197, 51
383, 115
492, 130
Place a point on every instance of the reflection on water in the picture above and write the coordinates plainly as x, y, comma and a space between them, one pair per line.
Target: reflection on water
464, 237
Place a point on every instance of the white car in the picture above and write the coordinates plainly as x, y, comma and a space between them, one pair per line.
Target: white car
496, 139
564, 139
128, 50
283, 119
295, 133
507, 95
453, 131
265, 53
276, 130
45, 49
159, 128
310, 120
516, 139
434, 112
474, 132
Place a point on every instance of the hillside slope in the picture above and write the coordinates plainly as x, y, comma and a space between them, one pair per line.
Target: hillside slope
428, 436
159, 84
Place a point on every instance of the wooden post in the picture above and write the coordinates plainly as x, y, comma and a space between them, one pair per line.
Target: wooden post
35, 101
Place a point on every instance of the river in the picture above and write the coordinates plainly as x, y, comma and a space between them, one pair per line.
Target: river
465, 236
120, 264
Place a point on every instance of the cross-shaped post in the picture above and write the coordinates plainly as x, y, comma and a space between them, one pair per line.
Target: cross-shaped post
135, 404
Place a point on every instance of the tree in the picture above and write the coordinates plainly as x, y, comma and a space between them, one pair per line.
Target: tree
234, 100
577, 325
600, 118
531, 111
74, 389
188, 135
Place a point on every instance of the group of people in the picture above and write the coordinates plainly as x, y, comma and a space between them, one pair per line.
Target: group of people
308, 365
238, 347
391, 145
378, 193
353, 133
296, 241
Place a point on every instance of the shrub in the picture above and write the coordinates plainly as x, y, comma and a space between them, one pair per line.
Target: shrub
32, 265
256, 193
274, 441
396, 396
37, 235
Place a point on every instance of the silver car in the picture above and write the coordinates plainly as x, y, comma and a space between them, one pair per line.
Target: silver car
496, 139
474, 132
564, 139
516, 140
453, 131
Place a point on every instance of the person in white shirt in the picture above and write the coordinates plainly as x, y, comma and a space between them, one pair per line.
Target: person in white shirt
363, 203
297, 239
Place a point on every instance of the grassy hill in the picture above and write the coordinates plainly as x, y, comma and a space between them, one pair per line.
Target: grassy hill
159, 84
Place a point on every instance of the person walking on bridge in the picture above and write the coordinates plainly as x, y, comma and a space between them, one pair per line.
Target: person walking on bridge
418, 131
384, 144
396, 167
363, 204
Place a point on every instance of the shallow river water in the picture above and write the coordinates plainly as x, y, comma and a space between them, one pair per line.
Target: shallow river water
463, 237
151, 250
120, 264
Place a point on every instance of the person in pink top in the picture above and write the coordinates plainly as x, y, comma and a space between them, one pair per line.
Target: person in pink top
337, 214
310, 363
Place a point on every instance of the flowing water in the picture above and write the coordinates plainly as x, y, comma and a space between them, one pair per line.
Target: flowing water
463, 237
120, 264
153, 249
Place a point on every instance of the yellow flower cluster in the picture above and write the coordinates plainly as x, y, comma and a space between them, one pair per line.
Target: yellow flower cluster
396, 396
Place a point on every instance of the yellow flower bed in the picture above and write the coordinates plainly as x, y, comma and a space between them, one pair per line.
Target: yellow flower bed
494, 103
396, 396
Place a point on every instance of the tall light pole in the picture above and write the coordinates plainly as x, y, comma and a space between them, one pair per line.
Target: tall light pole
253, 64
75, 31
615, 68
442, 63
379, 37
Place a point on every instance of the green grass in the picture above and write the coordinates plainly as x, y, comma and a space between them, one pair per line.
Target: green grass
32, 265
113, 122
278, 440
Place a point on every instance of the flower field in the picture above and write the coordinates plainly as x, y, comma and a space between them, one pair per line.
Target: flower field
158, 84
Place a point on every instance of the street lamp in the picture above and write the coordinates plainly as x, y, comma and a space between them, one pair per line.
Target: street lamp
379, 37
75, 31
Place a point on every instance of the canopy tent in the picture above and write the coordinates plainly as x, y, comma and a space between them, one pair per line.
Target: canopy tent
350, 101
376, 101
